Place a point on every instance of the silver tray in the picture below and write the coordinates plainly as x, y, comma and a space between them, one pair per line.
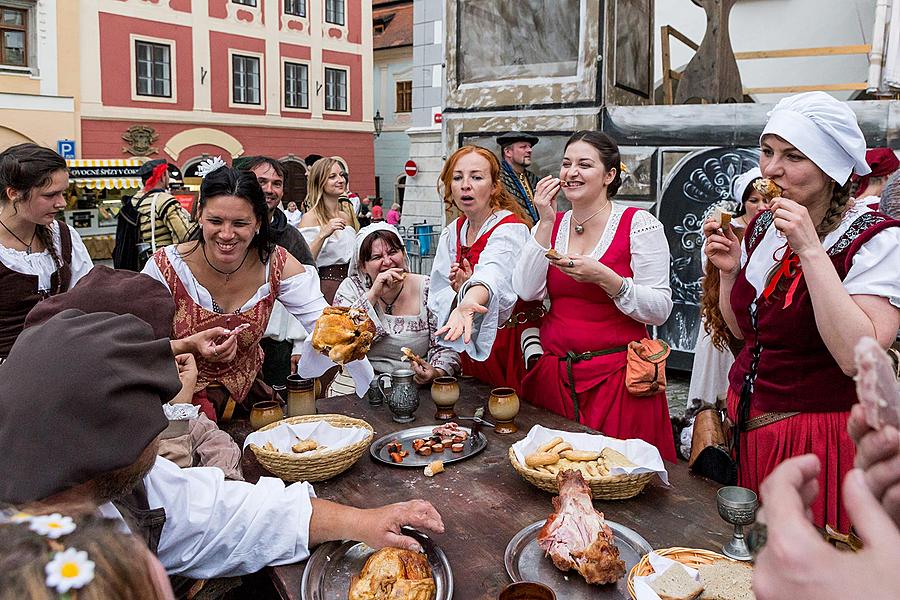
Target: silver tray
525, 561
378, 449
332, 564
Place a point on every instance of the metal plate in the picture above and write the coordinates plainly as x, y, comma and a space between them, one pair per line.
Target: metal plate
378, 449
329, 569
525, 561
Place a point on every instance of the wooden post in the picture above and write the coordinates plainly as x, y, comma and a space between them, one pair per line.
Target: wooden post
712, 75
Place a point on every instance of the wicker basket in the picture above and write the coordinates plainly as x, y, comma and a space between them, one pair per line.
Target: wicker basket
689, 557
610, 487
317, 465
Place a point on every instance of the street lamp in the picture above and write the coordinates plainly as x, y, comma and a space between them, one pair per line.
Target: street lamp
378, 120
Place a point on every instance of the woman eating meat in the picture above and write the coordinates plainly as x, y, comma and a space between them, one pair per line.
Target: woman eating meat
329, 223
230, 278
39, 255
397, 302
471, 278
813, 275
608, 281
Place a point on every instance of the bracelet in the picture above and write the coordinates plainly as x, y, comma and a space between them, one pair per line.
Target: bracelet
622, 290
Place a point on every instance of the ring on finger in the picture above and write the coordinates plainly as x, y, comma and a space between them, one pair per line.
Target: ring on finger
571, 263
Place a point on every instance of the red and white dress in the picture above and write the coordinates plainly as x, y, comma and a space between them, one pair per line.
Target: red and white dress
584, 319
785, 365
494, 354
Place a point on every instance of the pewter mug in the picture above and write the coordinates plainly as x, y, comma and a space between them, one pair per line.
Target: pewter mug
404, 397
377, 394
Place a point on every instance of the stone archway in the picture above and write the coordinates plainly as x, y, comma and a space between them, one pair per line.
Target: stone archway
294, 180
10, 137
203, 136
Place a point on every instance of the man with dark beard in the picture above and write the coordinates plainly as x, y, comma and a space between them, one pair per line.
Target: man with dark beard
99, 380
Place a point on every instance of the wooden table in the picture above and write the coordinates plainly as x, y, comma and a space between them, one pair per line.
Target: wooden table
484, 502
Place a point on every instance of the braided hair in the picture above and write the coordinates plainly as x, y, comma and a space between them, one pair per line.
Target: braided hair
840, 203
23, 168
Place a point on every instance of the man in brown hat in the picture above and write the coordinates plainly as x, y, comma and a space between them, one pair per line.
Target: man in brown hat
100, 380
515, 151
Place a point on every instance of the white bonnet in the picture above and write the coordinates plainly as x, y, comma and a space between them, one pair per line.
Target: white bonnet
739, 184
824, 129
362, 234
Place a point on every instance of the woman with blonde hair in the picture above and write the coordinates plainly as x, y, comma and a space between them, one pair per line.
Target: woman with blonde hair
329, 224
471, 278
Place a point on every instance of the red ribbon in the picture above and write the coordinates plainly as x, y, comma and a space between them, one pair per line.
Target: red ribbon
791, 269
155, 176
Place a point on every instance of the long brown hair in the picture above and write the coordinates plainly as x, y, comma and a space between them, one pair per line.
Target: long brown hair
500, 198
315, 194
24, 167
710, 313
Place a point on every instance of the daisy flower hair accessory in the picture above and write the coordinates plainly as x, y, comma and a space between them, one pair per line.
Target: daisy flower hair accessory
70, 568
52, 526
209, 165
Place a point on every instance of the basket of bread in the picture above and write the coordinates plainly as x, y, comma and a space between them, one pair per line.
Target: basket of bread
614, 469
310, 448
689, 574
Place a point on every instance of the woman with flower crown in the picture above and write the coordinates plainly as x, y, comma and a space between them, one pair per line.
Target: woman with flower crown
608, 281
230, 277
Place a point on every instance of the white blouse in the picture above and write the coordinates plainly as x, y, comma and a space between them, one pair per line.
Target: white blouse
492, 271
293, 217
43, 265
875, 268
647, 297
300, 296
337, 248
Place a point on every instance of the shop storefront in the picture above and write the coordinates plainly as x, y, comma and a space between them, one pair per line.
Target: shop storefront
96, 189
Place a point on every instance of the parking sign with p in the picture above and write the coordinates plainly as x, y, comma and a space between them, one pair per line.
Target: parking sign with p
66, 148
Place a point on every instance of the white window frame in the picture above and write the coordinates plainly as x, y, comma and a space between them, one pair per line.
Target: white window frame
346, 71
173, 71
295, 61
305, 14
261, 105
325, 13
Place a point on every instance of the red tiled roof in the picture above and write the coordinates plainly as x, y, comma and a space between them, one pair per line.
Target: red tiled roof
398, 25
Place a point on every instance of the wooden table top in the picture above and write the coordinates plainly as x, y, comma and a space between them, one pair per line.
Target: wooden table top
484, 502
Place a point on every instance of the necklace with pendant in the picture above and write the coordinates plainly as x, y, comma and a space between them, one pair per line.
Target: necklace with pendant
389, 306
227, 274
21, 241
579, 225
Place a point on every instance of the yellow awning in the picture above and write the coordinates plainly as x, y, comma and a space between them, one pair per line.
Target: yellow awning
105, 173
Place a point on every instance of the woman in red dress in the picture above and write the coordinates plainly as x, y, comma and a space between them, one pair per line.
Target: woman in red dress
471, 278
611, 282
814, 274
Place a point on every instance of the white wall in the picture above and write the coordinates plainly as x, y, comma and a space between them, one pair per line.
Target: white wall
778, 25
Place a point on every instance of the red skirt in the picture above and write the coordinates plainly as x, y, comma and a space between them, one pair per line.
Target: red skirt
606, 407
823, 434
505, 366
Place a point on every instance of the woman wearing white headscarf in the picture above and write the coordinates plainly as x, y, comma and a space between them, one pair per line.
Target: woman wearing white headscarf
813, 275
397, 301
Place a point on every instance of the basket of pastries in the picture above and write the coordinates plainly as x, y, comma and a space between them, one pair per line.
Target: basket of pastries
717, 577
312, 447
613, 469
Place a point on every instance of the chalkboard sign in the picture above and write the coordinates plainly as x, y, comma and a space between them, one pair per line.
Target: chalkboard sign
700, 181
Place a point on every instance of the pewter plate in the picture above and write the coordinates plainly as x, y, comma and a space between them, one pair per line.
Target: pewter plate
329, 569
378, 449
525, 561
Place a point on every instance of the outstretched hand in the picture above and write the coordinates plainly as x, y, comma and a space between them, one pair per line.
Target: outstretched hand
460, 321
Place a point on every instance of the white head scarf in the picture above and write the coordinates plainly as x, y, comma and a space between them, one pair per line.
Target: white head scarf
824, 129
739, 184
356, 265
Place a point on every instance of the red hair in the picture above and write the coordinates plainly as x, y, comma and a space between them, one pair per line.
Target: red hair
500, 197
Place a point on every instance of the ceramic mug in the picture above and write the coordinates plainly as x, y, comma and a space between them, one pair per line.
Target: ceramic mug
527, 590
445, 394
503, 405
264, 413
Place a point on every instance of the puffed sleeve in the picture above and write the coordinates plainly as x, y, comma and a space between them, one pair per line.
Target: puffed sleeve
81, 259
441, 295
494, 273
219, 528
647, 297
530, 275
874, 269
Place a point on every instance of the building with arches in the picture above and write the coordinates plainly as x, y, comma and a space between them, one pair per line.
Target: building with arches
182, 80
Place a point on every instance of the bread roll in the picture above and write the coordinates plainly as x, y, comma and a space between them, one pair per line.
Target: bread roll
541, 459
675, 584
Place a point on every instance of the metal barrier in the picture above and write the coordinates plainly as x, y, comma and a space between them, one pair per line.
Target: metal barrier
421, 242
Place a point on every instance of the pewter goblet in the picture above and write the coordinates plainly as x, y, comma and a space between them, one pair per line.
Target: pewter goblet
737, 505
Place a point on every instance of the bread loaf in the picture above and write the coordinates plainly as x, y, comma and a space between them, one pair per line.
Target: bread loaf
726, 580
676, 584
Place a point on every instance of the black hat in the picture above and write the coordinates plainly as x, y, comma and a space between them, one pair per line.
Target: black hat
118, 291
80, 395
311, 159
146, 169
511, 137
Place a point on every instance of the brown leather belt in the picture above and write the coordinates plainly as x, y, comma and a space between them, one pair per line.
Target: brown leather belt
524, 316
767, 419
336, 272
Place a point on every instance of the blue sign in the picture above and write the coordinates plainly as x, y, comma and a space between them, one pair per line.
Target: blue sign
66, 148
